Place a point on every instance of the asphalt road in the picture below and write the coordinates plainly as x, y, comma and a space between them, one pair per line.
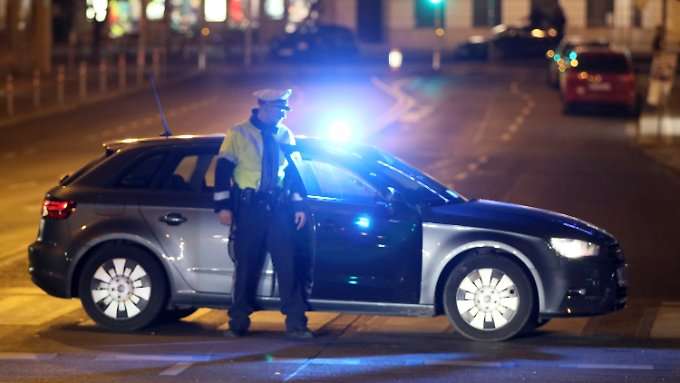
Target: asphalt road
488, 132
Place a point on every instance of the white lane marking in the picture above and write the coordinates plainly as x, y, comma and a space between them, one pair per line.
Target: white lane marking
596, 366
466, 363
176, 369
153, 358
25, 356
298, 370
506, 136
513, 128
519, 120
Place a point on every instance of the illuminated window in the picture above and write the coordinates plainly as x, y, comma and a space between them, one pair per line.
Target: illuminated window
215, 11
155, 9
275, 9
298, 10
3, 14
96, 10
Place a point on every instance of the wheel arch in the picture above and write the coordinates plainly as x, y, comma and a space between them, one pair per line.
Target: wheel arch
456, 256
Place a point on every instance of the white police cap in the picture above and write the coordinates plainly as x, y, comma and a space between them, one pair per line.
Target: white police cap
276, 96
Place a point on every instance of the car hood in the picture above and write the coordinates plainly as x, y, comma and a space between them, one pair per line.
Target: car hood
493, 215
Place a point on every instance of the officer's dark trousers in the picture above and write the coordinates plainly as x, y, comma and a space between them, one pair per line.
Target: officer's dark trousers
262, 227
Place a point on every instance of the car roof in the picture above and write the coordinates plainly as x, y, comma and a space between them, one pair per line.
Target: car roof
302, 142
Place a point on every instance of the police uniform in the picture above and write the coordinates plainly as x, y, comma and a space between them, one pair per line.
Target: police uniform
255, 181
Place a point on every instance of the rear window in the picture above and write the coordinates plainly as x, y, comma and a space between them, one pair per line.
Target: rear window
600, 63
69, 179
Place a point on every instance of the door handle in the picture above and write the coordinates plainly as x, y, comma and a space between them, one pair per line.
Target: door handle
173, 219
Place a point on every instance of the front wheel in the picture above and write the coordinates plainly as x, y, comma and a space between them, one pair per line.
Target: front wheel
122, 287
488, 298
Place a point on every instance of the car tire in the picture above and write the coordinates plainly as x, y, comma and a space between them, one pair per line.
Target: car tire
122, 287
488, 297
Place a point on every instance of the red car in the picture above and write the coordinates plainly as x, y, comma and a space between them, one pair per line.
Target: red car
600, 76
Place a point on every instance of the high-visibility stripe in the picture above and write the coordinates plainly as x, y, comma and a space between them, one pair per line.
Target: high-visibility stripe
220, 196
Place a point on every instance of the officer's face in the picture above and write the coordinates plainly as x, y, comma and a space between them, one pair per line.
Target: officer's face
272, 114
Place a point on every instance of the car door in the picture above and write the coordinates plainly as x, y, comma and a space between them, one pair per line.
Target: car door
364, 249
179, 211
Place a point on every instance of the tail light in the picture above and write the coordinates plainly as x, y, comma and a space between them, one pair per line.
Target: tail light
57, 209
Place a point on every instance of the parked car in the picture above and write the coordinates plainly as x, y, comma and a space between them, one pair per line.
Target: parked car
508, 42
134, 236
560, 58
600, 76
316, 43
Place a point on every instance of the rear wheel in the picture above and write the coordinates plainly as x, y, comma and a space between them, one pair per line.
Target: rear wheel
122, 287
488, 298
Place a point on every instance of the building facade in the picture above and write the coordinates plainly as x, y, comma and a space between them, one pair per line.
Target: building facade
406, 24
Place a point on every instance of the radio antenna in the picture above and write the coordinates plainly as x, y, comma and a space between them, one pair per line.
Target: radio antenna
166, 128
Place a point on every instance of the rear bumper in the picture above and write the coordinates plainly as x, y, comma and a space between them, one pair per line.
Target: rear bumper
627, 98
47, 266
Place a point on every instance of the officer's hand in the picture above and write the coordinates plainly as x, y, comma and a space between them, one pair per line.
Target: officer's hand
225, 217
300, 219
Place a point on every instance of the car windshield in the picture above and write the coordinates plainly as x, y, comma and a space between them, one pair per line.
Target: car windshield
603, 63
416, 185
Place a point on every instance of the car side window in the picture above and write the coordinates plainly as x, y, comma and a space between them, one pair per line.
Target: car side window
189, 173
322, 179
142, 173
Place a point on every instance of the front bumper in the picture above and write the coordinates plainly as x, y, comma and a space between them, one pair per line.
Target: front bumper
48, 267
591, 286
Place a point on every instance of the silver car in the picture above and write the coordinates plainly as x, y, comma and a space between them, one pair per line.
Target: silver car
134, 236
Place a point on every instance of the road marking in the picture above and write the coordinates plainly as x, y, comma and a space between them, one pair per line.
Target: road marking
25, 356
666, 322
153, 358
33, 310
176, 369
513, 128
461, 176
467, 363
596, 366
506, 136
472, 167
519, 120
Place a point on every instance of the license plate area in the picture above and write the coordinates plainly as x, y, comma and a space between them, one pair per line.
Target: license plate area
600, 87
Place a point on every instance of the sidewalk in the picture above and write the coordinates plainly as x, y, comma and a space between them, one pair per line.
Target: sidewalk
659, 131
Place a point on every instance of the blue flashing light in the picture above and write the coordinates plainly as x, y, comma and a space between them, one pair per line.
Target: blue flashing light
572, 55
557, 57
436, 2
363, 222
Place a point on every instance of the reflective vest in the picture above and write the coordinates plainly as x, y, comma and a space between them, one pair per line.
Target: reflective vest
243, 146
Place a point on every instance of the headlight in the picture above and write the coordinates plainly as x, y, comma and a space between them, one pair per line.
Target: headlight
573, 248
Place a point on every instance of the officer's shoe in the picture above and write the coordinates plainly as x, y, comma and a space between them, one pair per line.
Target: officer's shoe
302, 334
234, 333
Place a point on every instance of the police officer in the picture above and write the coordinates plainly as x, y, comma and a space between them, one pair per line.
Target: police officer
257, 191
